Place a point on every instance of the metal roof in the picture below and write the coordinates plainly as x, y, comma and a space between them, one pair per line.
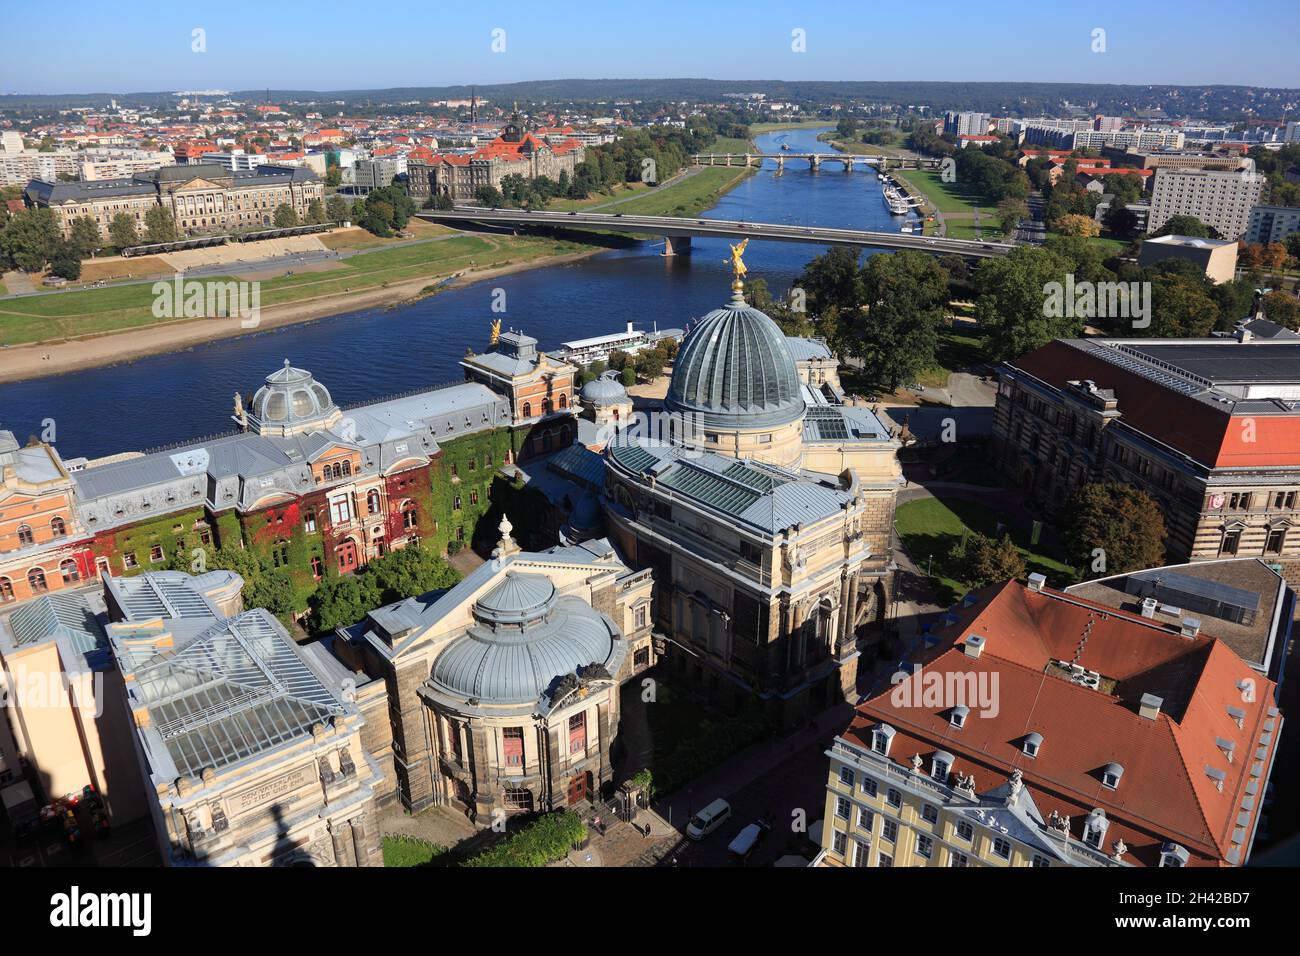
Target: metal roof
52, 615
239, 689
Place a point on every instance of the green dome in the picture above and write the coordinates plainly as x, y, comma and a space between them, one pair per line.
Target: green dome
734, 370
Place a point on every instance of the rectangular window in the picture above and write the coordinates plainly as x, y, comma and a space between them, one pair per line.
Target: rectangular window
129, 561
866, 819
639, 617
965, 831
1002, 848
1040, 861
839, 842
889, 831
1231, 542
1276, 541
957, 859
884, 860
578, 733
842, 808
930, 813
924, 846
846, 776
512, 746
861, 853
340, 510
869, 787
894, 799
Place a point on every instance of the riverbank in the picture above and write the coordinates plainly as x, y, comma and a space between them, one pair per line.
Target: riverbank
76, 330
70, 355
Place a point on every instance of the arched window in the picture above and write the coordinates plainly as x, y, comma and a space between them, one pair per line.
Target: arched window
528, 409
57, 527
6, 590
68, 568
24, 536
410, 517
564, 400
347, 468
372, 501
546, 406
338, 470
36, 581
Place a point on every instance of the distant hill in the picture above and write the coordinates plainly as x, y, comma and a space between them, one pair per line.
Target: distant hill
1225, 102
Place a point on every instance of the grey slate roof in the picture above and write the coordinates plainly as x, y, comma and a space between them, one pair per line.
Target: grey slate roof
749, 493
806, 349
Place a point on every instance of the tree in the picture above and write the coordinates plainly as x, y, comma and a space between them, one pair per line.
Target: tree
1114, 528
284, 216
618, 359
628, 376
122, 231
1181, 306
315, 212
1282, 308
833, 279
159, 226
65, 263
1011, 295
1010, 212
30, 239
905, 294
84, 237
336, 209
1076, 225
1184, 226
989, 561
650, 364
333, 177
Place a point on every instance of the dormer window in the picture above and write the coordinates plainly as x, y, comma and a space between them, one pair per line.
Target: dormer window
1032, 744
1226, 746
941, 766
1171, 854
1094, 830
1111, 774
881, 738
957, 716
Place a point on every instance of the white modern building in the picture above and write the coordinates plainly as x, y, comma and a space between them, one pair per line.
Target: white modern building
1272, 223
1220, 199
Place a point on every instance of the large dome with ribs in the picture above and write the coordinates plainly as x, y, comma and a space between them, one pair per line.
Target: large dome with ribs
734, 370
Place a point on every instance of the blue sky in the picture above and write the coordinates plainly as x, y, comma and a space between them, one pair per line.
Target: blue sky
353, 45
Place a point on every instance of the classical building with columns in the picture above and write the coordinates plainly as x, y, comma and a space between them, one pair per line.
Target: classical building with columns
502, 693
764, 507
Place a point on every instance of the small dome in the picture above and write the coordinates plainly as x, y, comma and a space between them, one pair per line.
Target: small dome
499, 661
519, 599
290, 396
606, 390
734, 370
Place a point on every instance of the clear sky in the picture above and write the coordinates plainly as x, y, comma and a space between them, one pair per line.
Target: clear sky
80, 46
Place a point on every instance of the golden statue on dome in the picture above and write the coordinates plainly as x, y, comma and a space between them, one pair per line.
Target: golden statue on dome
496, 331
738, 269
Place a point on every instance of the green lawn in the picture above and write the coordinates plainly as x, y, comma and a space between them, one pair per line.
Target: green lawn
946, 197
730, 144
689, 197
965, 229
115, 308
3, 290
958, 348
931, 528
756, 129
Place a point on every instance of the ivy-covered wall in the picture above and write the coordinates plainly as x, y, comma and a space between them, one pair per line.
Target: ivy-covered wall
464, 470
168, 532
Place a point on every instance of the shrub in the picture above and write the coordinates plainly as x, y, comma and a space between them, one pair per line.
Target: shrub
410, 851
545, 840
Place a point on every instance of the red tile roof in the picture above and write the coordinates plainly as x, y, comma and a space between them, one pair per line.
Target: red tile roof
1165, 793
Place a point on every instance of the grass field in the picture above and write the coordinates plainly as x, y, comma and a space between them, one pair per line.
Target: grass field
596, 200
757, 129
730, 144
965, 229
689, 197
931, 528
958, 348
95, 311
946, 197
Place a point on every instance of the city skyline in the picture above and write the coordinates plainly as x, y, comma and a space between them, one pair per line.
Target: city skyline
688, 41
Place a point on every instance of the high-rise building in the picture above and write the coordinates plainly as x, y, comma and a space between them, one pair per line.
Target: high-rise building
966, 123
1220, 199
1272, 223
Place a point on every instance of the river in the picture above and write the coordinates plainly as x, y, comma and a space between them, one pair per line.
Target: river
362, 356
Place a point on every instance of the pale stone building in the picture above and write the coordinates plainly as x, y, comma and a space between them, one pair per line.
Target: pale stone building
502, 693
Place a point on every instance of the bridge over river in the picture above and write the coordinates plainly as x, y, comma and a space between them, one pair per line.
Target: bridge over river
678, 232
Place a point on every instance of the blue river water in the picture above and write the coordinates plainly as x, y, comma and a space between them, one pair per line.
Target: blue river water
362, 356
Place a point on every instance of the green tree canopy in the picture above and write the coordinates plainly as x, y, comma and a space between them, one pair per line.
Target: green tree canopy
1114, 528
1011, 301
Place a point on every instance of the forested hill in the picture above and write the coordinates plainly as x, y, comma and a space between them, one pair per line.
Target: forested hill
1225, 102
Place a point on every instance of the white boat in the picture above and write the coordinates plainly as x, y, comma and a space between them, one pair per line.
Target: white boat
894, 202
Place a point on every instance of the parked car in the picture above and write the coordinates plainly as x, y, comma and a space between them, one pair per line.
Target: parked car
747, 840
709, 819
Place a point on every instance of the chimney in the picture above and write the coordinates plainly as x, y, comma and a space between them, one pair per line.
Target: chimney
1036, 582
1150, 706
974, 645
1149, 606
1191, 626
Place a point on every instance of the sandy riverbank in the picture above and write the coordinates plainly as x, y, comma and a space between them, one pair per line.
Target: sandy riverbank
18, 363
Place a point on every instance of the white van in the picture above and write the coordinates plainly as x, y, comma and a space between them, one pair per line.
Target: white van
709, 819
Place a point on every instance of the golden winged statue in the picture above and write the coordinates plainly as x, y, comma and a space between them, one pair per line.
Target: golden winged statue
738, 269
496, 331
